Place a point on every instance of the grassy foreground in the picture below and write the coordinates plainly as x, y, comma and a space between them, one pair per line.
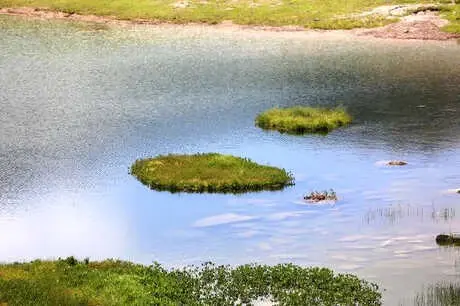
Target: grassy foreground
73, 282
300, 119
320, 14
210, 172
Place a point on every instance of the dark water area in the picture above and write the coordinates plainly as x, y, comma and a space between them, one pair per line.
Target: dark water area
78, 106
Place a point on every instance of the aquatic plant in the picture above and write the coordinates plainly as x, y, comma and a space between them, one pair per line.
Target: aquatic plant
317, 196
439, 294
210, 172
395, 213
114, 282
301, 119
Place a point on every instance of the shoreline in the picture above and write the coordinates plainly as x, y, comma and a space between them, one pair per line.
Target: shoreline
421, 26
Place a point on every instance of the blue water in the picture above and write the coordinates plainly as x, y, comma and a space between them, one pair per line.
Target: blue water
78, 106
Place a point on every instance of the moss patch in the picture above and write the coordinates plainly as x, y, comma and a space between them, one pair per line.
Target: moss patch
211, 172
301, 120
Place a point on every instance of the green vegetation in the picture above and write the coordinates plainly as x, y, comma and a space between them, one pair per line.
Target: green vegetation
110, 282
314, 14
440, 294
319, 14
450, 239
300, 119
451, 13
211, 172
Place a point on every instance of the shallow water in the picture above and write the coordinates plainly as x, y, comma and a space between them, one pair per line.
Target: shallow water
78, 106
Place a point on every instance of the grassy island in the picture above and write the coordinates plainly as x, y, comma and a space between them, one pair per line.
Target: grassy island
301, 119
111, 282
210, 172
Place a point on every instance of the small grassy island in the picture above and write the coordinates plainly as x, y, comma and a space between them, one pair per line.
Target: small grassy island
302, 119
112, 282
210, 172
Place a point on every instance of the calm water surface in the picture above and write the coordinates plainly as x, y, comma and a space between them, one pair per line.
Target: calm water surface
78, 106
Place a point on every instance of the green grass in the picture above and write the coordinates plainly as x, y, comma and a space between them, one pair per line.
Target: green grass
315, 14
300, 119
319, 14
110, 282
452, 13
211, 172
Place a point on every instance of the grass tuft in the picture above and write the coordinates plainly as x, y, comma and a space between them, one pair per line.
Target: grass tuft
210, 172
111, 282
301, 120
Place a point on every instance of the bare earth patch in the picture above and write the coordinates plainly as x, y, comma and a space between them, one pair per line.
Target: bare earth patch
425, 24
43, 13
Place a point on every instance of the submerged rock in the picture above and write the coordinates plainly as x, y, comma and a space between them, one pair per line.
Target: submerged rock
397, 163
317, 196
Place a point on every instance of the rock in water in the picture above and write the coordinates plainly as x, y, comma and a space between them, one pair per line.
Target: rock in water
397, 163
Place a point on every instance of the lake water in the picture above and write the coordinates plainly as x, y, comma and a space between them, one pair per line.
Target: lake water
78, 106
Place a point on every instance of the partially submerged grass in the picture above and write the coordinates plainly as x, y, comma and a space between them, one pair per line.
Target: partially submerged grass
110, 282
211, 172
301, 119
318, 14
396, 213
439, 294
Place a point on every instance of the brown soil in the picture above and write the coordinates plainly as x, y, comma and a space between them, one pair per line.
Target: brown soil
423, 25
